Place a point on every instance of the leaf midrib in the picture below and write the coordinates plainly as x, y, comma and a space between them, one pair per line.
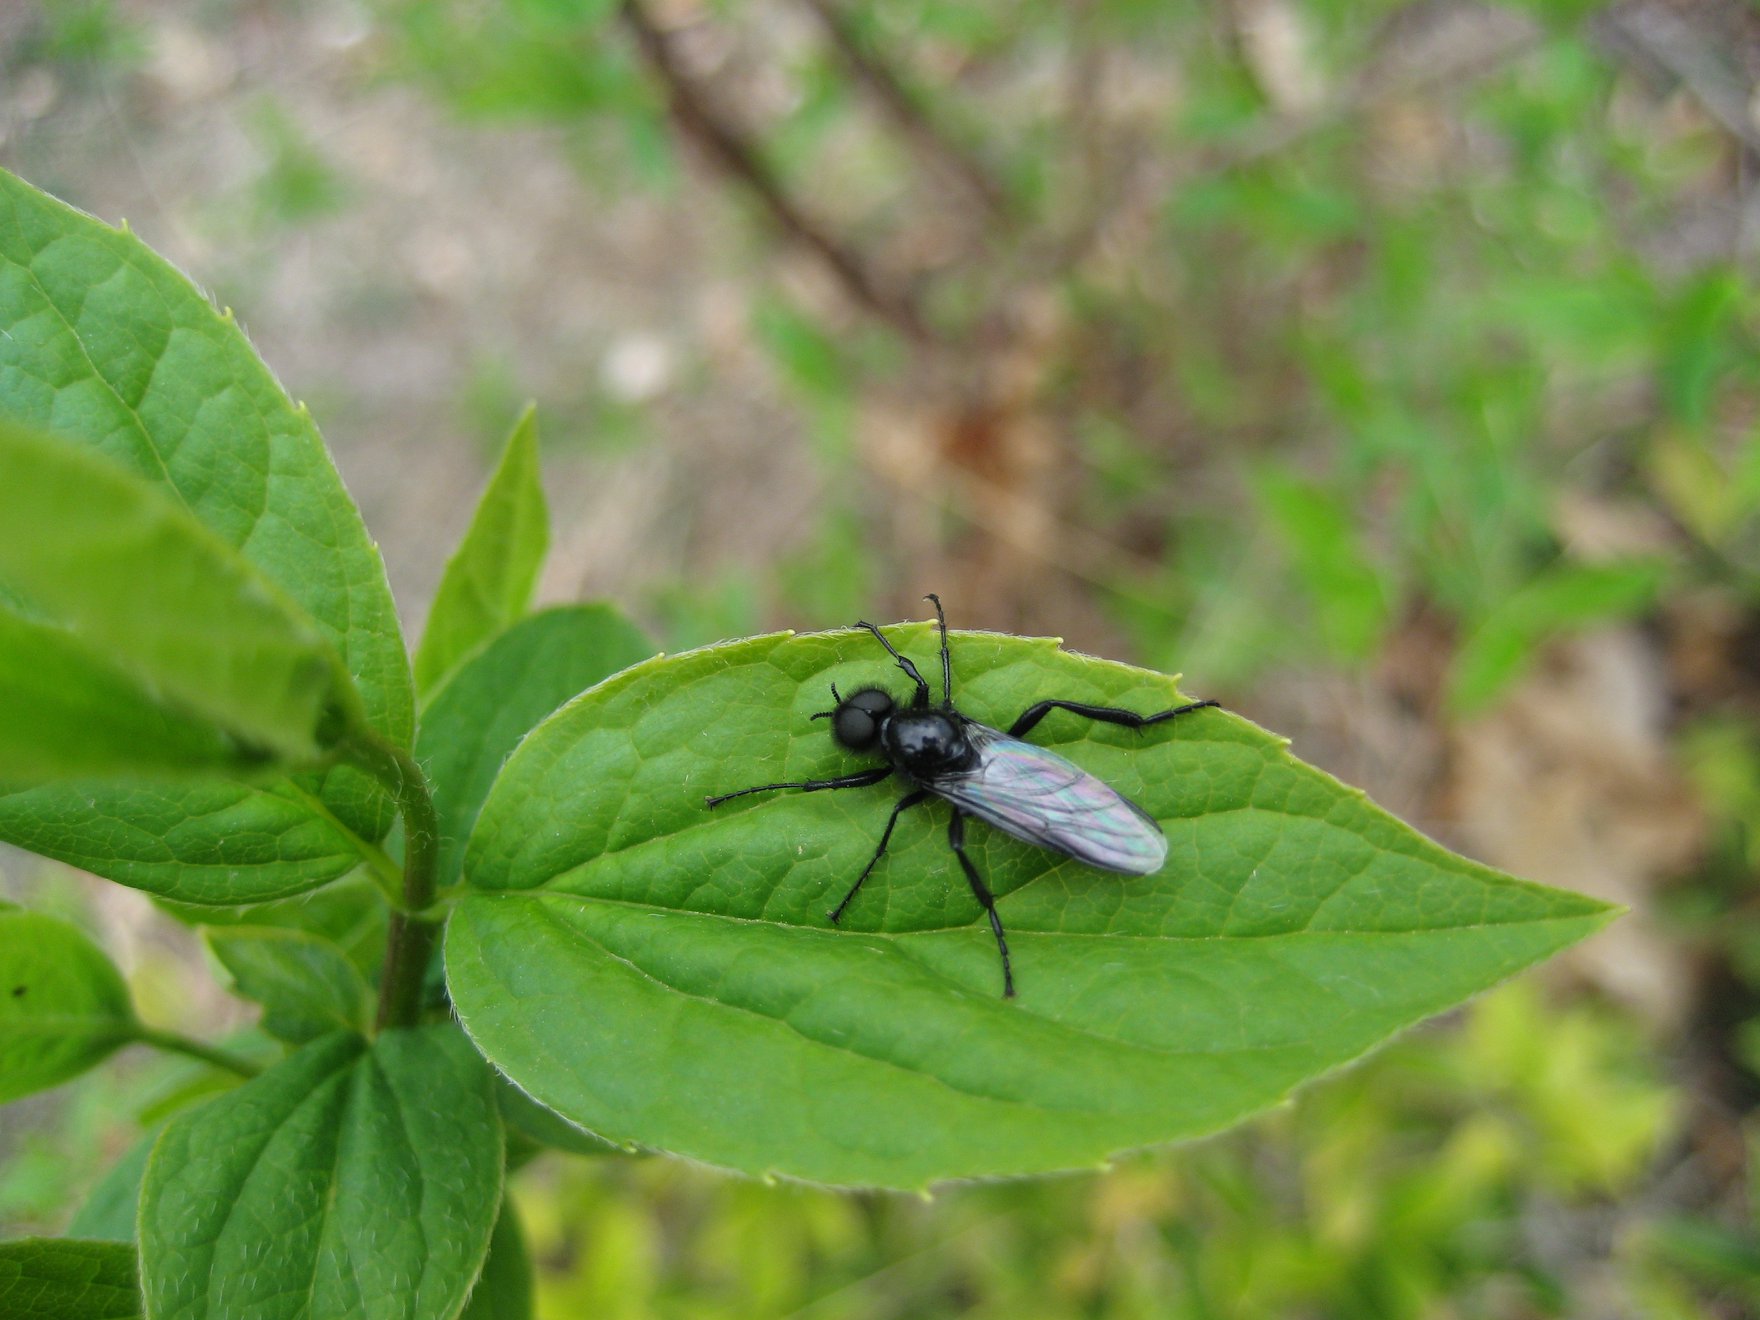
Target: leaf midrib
1046, 1022
1399, 846
1305, 932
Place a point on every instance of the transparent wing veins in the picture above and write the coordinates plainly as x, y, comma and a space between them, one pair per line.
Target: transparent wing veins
1036, 795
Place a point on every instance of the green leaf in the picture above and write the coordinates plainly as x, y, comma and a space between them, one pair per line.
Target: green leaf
504, 1292
489, 579
68, 1279
70, 713
349, 914
306, 985
110, 1210
668, 977
1329, 558
531, 1127
120, 562
105, 343
493, 701
1696, 343
63, 1005
1562, 599
373, 1170
198, 843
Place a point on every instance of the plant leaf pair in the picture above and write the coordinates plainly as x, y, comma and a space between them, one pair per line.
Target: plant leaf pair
185, 586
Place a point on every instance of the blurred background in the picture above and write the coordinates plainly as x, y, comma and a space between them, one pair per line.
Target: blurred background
1388, 369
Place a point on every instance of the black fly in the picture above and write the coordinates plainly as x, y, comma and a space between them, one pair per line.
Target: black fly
1018, 787
1023, 790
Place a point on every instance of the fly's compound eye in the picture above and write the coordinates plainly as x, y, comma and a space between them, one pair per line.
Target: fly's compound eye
856, 721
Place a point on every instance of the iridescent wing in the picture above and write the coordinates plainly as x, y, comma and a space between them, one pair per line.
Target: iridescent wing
1037, 795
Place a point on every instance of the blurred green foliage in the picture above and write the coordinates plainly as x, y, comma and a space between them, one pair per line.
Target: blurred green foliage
83, 36
1400, 330
296, 185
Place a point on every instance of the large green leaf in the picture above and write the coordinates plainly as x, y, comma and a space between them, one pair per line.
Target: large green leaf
63, 1005
348, 1180
493, 701
489, 579
122, 563
105, 343
68, 1279
668, 977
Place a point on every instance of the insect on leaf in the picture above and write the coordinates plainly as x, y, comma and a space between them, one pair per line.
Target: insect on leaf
1293, 927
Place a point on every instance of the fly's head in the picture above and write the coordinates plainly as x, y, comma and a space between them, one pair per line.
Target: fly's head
857, 720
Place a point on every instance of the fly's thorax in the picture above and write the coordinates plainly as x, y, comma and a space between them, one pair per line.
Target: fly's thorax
925, 743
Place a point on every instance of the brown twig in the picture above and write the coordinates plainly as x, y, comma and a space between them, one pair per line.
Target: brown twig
906, 111
735, 154
1658, 35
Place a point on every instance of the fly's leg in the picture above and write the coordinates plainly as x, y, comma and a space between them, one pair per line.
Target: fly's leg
904, 804
861, 779
956, 838
922, 697
946, 660
1106, 714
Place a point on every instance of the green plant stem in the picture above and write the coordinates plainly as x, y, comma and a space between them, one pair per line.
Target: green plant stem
409, 944
179, 1044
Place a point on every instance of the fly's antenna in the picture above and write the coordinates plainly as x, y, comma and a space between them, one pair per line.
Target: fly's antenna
835, 696
946, 660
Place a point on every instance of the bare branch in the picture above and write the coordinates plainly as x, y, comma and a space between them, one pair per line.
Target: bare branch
730, 149
906, 111
1662, 37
